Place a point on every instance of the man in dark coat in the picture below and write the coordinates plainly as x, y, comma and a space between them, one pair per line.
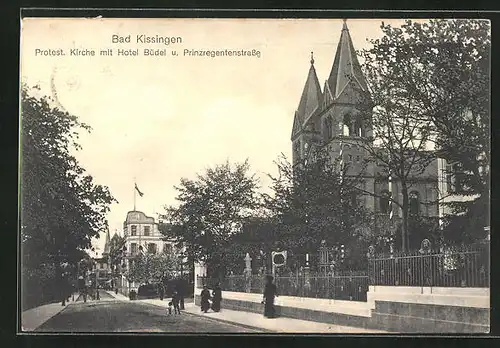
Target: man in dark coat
175, 302
270, 293
205, 297
181, 292
216, 298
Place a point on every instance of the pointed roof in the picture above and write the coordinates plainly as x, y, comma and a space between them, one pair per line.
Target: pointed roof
311, 95
346, 66
107, 244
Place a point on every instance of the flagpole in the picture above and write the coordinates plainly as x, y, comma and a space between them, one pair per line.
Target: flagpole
135, 192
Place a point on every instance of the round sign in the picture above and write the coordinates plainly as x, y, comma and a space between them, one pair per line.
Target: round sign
279, 259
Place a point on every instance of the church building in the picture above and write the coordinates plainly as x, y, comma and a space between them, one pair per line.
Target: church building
338, 118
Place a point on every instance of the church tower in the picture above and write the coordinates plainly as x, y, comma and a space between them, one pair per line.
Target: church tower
339, 118
107, 244
306, 125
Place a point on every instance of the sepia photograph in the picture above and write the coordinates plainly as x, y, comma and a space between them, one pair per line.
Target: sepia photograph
254, 176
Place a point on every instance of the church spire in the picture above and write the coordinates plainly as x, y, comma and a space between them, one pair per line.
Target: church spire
107, 244
310, 99
346, 67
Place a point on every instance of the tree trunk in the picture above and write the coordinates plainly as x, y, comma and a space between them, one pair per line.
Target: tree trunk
404, 227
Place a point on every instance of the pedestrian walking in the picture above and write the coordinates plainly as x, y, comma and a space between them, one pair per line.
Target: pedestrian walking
216, 298
181, 289
205, 297
270, 292
170, 305
175, 302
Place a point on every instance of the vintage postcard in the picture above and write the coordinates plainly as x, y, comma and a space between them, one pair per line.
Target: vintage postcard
254, 175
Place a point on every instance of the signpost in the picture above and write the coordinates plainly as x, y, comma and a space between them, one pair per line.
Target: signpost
279, 260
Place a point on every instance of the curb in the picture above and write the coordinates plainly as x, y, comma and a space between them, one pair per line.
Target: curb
63, 308
246, 326
232, 323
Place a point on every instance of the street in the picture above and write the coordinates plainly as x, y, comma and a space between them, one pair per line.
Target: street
110, 315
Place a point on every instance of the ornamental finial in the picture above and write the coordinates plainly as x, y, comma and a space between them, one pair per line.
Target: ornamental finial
312, 57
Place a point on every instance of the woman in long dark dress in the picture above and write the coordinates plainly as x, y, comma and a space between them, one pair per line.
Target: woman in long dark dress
216, 298
205, 296
270, 293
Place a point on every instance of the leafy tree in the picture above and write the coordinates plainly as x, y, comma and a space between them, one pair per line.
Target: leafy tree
211, 209
151, 268
257, 238
317, 202
434, 77
61, 207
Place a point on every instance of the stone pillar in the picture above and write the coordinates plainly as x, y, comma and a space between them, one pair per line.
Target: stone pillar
307, 276
200, 269
248, 273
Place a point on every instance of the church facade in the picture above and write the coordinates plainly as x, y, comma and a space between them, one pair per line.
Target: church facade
338, 118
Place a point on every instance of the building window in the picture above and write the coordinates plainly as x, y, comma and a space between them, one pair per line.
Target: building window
167, 248
133, 248
350, 158
454, 178
134, 231
328, 126
414, 200
354, 199
296, 149
101, 265
152, 248
358, 158
147, 230
384, 202
347, 127
358, 129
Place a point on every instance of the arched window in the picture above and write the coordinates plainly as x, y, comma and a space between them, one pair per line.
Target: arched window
384, 202
328, 128
414, 202
358, 129
296, 149
347, 126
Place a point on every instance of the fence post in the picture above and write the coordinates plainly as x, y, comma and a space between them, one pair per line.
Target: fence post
248, 273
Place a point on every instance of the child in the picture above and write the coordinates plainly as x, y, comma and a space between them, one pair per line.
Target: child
170, 308
175, 302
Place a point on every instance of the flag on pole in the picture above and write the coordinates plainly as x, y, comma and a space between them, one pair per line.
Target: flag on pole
139, 191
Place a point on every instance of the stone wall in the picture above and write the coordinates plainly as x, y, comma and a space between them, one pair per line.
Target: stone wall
394, 309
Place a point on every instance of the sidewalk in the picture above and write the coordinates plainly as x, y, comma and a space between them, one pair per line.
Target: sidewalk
32, 318
257, 321
118, 296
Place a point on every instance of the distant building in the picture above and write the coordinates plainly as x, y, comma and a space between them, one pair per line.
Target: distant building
142, 236
141, 232
102, 269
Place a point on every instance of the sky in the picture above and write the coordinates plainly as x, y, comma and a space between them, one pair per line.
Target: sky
158, 119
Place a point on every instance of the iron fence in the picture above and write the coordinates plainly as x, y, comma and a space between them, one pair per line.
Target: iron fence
351, 286
464, 266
